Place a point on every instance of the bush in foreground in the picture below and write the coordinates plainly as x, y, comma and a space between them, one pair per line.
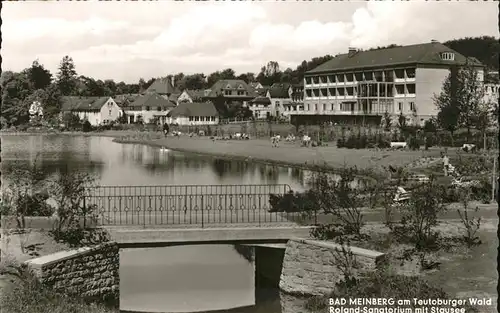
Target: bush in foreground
26, 294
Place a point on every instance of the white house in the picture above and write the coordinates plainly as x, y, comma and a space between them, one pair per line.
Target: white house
260, 107
96, 110
280, 96
194, 113
149, 108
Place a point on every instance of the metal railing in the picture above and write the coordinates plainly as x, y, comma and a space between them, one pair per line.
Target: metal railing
187, 205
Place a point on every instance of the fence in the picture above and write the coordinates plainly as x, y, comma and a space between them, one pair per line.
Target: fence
188, 205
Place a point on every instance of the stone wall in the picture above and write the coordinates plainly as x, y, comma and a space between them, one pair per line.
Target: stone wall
310, 267
91, 272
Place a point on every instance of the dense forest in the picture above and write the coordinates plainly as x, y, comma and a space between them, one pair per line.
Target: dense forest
20, 89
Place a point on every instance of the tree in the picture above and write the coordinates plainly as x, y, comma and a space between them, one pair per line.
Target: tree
16, 87
270, 73
195, 81
470, 98
67, 77
461, 101
447, 104
247, 77
38, 75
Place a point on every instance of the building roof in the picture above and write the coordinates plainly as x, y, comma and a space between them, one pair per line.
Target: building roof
262, 92
261, 100
279, 90
186, 109
125, 99
231, 84
152, 100
426, 53
75, 103
162, 86
195, 94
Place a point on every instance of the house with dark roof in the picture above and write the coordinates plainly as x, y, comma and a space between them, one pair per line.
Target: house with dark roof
231, 90
96, 110
366, 84
194, 113
162, 86
191, 96
149, 108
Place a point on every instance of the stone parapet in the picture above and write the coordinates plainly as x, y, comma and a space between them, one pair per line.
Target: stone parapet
310, 267
91, 272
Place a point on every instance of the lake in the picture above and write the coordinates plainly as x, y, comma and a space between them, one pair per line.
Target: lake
201, 278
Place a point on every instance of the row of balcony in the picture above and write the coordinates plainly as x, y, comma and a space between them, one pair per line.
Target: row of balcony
355, 97
371, 90
394, 75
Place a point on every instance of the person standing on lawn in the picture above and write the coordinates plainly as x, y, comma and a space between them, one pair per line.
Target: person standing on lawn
446, 163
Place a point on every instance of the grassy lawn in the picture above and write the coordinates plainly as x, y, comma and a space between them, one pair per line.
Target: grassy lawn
292, 153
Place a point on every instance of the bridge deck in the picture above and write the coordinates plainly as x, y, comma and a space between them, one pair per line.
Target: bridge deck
133, 237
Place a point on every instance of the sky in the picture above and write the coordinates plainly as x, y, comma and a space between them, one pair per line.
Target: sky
125, 41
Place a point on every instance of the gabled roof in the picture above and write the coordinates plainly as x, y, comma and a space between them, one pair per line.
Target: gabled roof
231, 84
255, 84
280, 90
186, 109
426, 53
162, 86
152, 100
80, 104
261, 100
195, 94
125, 99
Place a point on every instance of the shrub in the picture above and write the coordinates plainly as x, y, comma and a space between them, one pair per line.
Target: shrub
414, 143
292, 202
86, 126
420, 215
471, 224
35, 205
340, 198
78, 236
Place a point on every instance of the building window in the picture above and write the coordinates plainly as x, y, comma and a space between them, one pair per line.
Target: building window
324, 106
323, 79
347, 106
316, 107
277, 104
307, 107
158, 108
227, 92
412, 106
411, 89
110, 112
448, 56
410, 73
308, 80
147, 108
190, 118
400, 106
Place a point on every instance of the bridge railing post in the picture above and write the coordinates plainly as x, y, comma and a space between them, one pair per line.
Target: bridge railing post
202, 222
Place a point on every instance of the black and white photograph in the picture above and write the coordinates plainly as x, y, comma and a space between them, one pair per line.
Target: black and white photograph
249, 156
